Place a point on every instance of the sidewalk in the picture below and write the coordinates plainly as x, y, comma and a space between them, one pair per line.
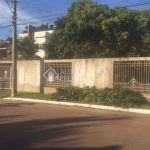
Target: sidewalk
133, 110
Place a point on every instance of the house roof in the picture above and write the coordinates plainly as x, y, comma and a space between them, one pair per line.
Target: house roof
4, 44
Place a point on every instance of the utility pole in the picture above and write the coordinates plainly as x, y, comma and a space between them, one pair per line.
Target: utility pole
14, 50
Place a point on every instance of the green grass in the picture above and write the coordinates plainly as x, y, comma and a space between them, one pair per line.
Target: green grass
33, 95
144, 105
5, 93
29, 95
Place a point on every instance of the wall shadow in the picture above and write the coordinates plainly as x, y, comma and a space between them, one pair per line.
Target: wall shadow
85, 148
21, 135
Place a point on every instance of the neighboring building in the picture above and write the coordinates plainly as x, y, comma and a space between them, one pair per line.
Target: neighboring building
39, 37
4, 49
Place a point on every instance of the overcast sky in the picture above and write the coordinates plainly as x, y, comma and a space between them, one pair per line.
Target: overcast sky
36, 12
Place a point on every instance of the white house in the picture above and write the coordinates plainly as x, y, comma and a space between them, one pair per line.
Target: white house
40, 37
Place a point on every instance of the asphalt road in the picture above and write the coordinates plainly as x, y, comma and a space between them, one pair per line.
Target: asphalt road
35, 126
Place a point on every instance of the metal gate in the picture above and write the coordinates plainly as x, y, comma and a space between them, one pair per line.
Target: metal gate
133, 74
5, 76
58, 74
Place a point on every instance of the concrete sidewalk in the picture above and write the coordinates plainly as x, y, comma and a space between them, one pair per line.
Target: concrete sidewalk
133, 110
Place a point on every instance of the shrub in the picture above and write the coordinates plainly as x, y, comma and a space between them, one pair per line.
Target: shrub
71, 93
89, 94
104, 96
125, 98
117, 96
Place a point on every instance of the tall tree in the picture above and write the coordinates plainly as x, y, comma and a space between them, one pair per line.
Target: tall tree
26, 48
45, 27
92, 30
26, 30
9, 39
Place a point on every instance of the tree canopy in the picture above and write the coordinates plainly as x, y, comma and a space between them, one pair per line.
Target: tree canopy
9, 39
45, 27
92, 30
26, 48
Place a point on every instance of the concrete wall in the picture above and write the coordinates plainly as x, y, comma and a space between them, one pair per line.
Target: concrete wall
93, 72
89, 72
29, 76
86, 72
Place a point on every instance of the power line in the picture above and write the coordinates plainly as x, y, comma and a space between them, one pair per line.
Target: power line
46, 21
37, 9
8, 5
44, 16
133, 5
5, 26
59, 5
137, 4
22, 3
5, 22
65, 13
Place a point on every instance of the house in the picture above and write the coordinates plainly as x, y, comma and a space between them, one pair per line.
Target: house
39, 37
4, 48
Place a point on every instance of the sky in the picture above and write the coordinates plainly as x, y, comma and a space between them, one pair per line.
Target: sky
36, 12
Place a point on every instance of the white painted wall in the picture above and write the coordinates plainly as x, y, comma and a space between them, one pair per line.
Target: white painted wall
86, 72
93, 72
29, 76
40, 53
23, 35
41, 37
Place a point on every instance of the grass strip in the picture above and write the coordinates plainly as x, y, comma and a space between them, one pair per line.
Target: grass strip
29, 95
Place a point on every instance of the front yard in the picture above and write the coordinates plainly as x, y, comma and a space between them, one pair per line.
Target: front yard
28, 95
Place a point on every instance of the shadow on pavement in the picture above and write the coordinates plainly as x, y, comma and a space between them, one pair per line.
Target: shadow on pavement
16, 104
10, 116
63, 131
91, 148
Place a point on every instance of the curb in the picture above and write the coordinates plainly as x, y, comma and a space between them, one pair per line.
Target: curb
132, 110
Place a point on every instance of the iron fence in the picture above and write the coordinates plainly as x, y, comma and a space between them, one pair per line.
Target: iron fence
5, 76
133, 74
58, 74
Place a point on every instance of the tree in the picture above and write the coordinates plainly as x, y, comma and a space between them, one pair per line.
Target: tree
26, 48
9, 39
45, 27
26, 30
92, 30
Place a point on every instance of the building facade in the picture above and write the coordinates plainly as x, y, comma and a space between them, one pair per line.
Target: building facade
39, 37
4, 49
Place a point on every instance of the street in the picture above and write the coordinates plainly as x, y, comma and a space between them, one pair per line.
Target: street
37, 126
